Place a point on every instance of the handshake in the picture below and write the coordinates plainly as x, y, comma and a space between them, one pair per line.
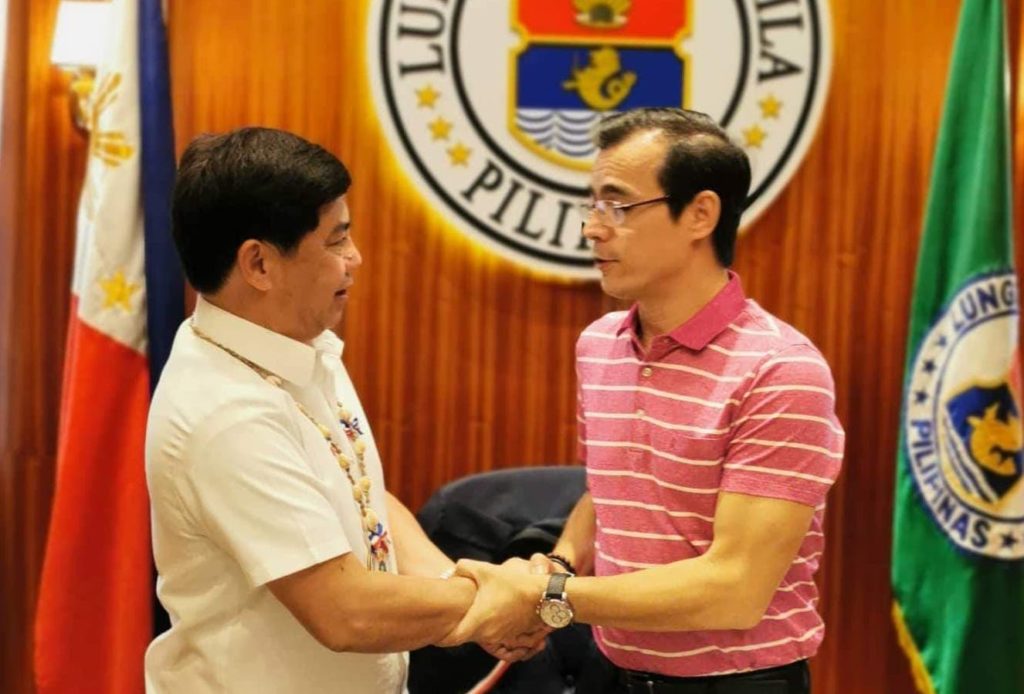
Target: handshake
503, 617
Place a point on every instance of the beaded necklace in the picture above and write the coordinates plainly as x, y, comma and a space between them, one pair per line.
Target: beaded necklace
378, 542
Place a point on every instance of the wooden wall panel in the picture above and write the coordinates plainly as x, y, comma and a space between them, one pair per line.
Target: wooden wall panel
43, 162
464, 362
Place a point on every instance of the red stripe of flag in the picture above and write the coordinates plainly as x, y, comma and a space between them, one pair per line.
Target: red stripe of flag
94, 617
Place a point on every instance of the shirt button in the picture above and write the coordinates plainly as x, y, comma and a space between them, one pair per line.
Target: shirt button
646, 372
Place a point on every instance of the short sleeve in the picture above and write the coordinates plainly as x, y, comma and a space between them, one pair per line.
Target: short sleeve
258, 496
787, 442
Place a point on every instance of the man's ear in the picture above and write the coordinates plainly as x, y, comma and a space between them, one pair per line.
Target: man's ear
254, 260
704, 211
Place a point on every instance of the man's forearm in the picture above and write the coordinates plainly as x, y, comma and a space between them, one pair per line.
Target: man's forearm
693, 594
402, 613
577, 541
728, 587
347, 608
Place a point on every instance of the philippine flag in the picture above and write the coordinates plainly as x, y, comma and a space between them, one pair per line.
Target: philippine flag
95, 612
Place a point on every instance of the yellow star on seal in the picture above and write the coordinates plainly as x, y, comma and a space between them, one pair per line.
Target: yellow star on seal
770, 106
117, 291
427, 96
754, 136
459, 154
440, 128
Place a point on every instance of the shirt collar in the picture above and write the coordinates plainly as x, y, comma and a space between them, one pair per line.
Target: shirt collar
290, 359
705, 325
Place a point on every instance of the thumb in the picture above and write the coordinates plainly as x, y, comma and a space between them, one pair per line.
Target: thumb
470, 568
540, 564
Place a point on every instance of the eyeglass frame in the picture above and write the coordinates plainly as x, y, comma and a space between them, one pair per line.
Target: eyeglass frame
616, 211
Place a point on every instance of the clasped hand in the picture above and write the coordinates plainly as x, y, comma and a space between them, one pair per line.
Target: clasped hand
503, 617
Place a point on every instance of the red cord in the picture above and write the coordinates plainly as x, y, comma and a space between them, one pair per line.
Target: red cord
487, 683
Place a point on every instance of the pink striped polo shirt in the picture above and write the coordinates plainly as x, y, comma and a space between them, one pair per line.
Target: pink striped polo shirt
733, 400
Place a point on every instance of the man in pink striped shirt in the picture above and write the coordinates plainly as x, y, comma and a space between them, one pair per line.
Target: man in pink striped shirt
709, 433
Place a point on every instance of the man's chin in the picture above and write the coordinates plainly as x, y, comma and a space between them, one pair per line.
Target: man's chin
615, 289
336, 318
333, 318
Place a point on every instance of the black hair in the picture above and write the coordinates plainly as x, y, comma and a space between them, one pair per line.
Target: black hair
700, 156
250, 183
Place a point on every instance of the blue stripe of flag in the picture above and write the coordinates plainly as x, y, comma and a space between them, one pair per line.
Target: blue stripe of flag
164, 283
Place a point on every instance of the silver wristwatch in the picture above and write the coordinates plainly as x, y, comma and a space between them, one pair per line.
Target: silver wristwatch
554, 608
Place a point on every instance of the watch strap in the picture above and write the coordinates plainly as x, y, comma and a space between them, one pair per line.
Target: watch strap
556, 586
563, 562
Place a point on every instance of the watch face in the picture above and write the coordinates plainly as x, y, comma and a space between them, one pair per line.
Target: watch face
555, 613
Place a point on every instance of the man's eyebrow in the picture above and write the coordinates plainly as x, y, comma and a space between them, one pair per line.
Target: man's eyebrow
609, 189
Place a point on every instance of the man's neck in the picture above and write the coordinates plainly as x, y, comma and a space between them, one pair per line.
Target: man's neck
252, 309
665, 311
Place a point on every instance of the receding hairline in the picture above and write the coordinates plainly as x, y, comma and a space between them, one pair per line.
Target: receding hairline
698, 140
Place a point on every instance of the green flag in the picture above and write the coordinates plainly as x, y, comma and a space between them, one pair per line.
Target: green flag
958, 527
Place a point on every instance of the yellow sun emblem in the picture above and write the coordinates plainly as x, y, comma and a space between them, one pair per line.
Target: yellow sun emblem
602, 14
110, 147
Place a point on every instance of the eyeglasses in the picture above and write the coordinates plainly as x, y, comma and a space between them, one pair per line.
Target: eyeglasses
610, 212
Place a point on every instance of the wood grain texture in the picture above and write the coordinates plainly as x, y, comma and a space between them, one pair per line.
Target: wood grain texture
463, 362
43, 162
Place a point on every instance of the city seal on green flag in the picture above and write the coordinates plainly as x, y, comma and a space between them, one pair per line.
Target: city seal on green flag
958, 507
962, 421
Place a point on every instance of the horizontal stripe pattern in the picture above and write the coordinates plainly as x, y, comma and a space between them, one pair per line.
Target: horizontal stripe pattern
666, 365
722, 649
624, 503
663, 433
651, 420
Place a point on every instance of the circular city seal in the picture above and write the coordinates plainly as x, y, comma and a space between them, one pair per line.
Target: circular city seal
962, 420
490, 106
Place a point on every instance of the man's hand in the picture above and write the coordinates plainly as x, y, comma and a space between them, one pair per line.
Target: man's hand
503, 616
540, 564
